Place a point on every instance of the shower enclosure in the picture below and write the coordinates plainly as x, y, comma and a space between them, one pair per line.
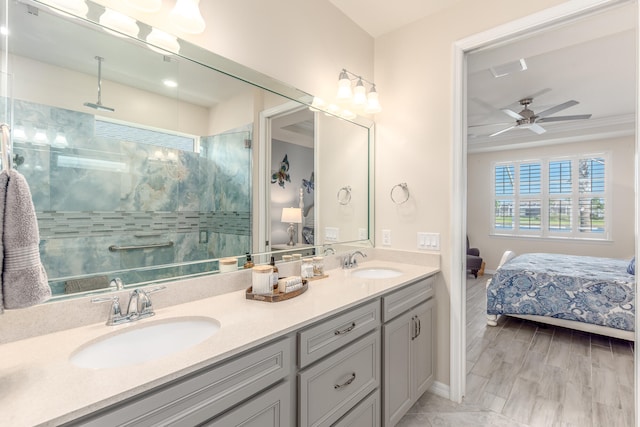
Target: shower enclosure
129, 201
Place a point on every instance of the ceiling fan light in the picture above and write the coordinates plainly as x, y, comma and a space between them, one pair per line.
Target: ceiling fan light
120, 23
344, 86
186, 17
359, 94
373, 103
148, 6
162, 42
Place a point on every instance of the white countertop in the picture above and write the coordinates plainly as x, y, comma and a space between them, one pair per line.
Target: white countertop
39, 386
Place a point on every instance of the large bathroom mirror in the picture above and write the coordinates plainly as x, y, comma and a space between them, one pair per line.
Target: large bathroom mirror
149, 163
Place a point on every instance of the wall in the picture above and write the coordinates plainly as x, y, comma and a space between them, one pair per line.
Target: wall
480, 201
414, 131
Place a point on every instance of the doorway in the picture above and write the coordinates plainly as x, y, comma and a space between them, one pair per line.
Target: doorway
534, 23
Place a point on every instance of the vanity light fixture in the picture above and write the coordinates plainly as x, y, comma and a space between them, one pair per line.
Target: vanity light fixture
186, 16
358, 96
119, 22
162, 42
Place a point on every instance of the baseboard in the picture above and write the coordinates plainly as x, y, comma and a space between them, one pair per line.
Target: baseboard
440, 389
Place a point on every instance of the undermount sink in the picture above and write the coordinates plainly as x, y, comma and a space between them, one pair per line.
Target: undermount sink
376, 273
144, 342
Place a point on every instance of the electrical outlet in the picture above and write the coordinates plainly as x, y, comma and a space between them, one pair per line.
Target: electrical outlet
386, 237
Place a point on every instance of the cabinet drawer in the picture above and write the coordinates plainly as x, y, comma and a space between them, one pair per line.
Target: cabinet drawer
271, 408
365, 414
204, 394
329, 389
330, 335
400, 301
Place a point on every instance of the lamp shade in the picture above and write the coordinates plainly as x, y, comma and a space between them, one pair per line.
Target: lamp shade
186, 16
291, 215
159, 41
344, 86
119, 22
359, 94
373, 104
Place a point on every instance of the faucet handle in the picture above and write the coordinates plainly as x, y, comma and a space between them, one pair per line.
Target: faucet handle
115, 314
144, 306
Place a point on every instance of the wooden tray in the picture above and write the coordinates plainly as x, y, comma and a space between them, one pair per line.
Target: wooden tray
317, 277
276, 296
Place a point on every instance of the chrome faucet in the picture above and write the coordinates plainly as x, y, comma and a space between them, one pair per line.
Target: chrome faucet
349, 260
139, 306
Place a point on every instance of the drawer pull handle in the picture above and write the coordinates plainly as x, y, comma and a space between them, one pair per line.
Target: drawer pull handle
346, 383
345, 330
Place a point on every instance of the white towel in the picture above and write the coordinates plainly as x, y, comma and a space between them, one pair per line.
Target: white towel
24, 280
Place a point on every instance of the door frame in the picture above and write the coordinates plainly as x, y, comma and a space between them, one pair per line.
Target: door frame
565, 11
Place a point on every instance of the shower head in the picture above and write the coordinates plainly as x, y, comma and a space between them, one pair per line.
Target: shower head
98, 105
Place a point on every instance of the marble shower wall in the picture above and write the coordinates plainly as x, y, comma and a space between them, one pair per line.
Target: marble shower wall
91, 193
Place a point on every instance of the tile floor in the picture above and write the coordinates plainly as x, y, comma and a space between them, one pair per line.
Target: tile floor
521, 373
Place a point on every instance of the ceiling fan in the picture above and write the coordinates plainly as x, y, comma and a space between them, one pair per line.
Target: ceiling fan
528, 119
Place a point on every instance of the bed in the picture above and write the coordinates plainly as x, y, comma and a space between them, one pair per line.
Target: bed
589, 294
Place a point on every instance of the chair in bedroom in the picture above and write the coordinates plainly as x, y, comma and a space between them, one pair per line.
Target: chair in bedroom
474, 262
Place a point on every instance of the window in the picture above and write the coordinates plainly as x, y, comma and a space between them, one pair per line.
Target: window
557, 197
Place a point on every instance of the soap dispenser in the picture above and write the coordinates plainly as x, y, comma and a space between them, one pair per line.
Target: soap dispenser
249, 263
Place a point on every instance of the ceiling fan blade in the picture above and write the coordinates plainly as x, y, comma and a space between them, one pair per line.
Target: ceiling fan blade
489, 124
562, 118
512, 113
557, 108
536, 128
502, 131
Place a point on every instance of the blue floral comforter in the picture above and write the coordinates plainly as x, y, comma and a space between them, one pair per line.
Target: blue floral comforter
585, 289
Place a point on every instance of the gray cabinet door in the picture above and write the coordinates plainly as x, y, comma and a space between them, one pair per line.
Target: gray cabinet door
269, 409
423, 347
397, 391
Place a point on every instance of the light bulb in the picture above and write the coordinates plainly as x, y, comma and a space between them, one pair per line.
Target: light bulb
121, 23
344, 86
373, 104
359, 94
186, 16
161, 42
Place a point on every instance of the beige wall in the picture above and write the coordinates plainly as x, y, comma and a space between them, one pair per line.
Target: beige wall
414, 131
621, 206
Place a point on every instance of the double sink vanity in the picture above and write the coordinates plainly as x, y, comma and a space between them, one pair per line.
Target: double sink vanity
356, 349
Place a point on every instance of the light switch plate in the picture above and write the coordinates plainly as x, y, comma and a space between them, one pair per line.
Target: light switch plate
362, 234
331, 234
428, 241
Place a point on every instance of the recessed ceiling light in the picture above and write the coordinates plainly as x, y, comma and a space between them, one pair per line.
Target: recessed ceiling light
170, 83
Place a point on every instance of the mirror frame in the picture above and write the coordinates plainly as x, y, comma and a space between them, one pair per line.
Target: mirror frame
211, 60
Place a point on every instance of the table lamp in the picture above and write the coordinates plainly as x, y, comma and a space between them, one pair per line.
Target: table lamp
292, 216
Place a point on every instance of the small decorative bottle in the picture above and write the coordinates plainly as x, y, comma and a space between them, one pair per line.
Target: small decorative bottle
275, 274
249, 263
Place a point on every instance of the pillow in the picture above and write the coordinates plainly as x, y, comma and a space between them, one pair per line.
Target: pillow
631, 269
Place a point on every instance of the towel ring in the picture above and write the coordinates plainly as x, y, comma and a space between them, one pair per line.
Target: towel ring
395, 196
344, 195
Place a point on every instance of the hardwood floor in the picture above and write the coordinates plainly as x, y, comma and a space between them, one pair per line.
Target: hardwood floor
522, 373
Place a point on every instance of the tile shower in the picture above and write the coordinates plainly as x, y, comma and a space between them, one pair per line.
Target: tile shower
93, 192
